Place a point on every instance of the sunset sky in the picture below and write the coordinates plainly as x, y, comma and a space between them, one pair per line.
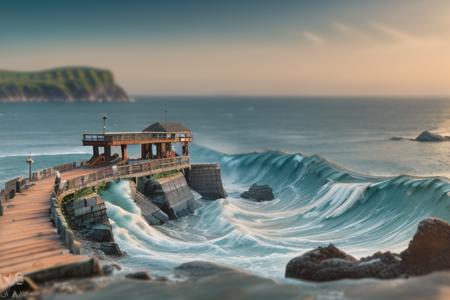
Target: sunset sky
347, 47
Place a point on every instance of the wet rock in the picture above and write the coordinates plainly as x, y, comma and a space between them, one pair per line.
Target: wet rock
109, 269
428, 136
313, 264
201, 269
259, 193
110, 248
100, 233
430, 246
139, 276
428, 251
397, 138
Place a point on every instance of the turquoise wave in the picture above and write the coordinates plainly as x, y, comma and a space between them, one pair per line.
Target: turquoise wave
317, 202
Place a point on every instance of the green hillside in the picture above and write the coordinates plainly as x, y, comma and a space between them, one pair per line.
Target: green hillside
65, 84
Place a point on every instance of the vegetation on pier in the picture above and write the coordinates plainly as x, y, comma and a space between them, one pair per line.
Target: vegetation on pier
165, 174
84, 192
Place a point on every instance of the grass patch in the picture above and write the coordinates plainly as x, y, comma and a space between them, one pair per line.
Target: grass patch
78, 194
165, 174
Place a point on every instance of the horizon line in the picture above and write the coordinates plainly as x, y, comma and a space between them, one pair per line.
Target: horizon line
290, 96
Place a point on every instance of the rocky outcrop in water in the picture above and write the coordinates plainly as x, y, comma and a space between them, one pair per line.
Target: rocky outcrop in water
425, 136
67, 84
259, 193
428, 251
428, 136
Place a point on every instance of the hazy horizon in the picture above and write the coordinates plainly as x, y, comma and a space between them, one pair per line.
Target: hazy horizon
292, 96
251, 48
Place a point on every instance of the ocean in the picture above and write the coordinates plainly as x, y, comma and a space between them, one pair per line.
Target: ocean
337, 175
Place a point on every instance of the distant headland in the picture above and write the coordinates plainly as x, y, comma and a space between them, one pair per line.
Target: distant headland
64, 84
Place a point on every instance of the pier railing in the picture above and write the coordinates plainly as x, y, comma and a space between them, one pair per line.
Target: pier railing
149, 167
49, 172
131, 137
19, 184
137, 169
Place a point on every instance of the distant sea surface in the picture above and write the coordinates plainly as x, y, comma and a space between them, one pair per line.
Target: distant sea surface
354, 133
337, 174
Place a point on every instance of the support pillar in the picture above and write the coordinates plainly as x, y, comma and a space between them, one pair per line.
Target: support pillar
144, 151
150, 150
185, 149
95, 151
124, 149
107, 153
163, 150
158, 150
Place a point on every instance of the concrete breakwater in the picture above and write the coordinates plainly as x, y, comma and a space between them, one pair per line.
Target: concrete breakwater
161, 197
170, 193
150, 211
169, 196
206, 180
160, 189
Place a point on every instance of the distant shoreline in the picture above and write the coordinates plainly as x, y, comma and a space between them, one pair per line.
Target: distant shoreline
65, 84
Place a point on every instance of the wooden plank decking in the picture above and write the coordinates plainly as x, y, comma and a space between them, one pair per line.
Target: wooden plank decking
28, 240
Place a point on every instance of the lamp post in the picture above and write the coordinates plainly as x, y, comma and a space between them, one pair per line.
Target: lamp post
104, 123
29, 161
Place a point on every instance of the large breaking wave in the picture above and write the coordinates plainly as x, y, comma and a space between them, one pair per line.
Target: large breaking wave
317, 203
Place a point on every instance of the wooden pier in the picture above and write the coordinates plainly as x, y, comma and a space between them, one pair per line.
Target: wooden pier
29, 241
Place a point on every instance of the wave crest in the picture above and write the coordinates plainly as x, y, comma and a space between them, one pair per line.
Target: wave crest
317, 203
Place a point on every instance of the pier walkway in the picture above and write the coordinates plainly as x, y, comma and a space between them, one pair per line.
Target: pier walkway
29, 242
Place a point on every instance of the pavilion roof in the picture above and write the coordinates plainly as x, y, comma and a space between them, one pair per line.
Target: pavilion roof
166, 127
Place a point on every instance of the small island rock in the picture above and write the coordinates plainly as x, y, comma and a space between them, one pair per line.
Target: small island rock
428, 136
259, 193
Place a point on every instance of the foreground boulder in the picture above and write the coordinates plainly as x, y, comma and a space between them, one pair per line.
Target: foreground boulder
430, 246
141, 275
259, 193
428, 251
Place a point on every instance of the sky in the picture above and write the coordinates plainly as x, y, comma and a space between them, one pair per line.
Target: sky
246, 47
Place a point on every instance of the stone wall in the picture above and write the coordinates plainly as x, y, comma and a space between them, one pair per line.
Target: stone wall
82, 221
66, 234
87, 217
150, 211
206, 180
171, 194
86, 211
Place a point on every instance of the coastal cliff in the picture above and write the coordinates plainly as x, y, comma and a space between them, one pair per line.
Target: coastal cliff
66, 84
